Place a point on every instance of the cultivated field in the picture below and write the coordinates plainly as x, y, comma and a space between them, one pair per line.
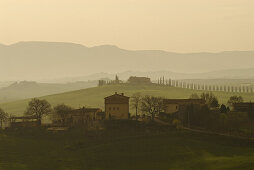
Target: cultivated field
124, 147
94, 97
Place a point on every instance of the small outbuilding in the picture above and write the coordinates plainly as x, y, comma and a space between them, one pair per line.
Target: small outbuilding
174, 105
23, 121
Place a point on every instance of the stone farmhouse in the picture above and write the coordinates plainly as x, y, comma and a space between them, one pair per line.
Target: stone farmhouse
175, 105
81, 116
139, 80
117, 106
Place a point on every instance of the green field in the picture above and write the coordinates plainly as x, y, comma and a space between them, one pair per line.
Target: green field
94, 97
123, 148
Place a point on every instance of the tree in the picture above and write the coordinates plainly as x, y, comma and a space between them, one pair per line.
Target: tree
152, 105
251, 111
38, 108
235, 99
135, 102
223, 109
62, 110
210, 99
3, 117
214, 102
194, 96
223, 121
228, 109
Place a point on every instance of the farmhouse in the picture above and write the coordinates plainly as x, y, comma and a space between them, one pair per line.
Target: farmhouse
81, 116
84, 115
117, 106
23, 121
174, 105
139, 80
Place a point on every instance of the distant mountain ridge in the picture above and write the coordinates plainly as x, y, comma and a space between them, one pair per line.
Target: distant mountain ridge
50, 60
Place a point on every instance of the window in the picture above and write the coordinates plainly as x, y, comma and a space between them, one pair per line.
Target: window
113, 108
109, 108
176, 107
117, 108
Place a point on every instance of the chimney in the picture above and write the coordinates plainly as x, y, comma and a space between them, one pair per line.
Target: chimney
122, 94
115, 92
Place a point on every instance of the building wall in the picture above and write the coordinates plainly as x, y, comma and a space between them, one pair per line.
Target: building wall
171, 108
139, 80
117, 111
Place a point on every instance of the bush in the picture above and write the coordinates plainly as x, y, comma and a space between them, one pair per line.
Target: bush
177, 123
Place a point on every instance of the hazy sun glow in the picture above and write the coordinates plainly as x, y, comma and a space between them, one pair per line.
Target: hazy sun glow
172, 25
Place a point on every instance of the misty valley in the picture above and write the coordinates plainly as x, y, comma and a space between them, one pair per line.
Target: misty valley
126, 85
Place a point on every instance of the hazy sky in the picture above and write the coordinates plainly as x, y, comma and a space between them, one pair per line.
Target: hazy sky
172, 25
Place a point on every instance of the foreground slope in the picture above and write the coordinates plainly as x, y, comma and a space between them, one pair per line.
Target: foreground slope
94, 97
127, 147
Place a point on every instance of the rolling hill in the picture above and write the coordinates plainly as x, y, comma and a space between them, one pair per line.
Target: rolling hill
26, 89
94, 97
232, 77
51, 60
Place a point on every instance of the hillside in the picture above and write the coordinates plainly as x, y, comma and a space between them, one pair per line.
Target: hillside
5, 83
123, 147
26, 89
94, 97
50, 60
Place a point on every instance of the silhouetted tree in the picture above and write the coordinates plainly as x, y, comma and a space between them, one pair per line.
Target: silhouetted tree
194, 96
135, 102
214, 103
152, 105
251, 111
223, 109
3, 116
38, 108
235, 99
223, 120
210, 99
228, 109
62, 111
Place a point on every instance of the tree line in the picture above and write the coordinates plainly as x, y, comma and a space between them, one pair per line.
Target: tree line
218, 117
211, 116
38, 109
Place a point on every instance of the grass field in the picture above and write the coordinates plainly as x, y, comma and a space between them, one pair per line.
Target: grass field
94, 97
123, 148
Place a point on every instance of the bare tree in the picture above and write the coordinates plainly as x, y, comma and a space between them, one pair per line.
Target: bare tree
3, 117
194, 96
62, 110
210, 99
135, 102
38, 108
152, 105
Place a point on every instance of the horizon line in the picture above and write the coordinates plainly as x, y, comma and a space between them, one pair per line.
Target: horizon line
116, 46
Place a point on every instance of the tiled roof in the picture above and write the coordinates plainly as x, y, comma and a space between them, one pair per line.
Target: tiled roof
116, 95
117, 99
86, 110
